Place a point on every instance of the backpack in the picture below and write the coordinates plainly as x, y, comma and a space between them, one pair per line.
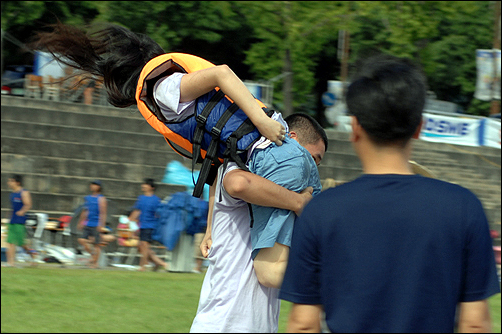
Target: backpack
218, 131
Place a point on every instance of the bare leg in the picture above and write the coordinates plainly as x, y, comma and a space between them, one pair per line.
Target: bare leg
270, 265
95, 256
144, 248
11, 254
155, 259
31, 252
85, 244
107, 238
88, 249
88, 95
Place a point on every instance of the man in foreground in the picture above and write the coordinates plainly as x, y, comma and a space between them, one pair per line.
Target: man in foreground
390, 251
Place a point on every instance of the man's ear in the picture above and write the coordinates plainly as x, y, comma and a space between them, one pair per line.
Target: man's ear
419, 128
356, 129
293, 135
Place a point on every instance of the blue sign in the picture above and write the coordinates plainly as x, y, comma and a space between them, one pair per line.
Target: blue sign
328, 99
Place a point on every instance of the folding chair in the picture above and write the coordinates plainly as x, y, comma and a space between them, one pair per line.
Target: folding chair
33, 86
52, 88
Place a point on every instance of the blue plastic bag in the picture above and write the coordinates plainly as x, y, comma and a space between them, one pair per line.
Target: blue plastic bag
176, 173
174, 217
199, 221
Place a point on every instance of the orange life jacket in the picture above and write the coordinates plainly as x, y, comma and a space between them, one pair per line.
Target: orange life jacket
214, 113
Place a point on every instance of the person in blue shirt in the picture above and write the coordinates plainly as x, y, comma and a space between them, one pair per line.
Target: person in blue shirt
390, 251
21, 203
144, 213
92, 221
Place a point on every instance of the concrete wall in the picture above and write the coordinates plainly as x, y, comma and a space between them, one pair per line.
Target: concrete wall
59, 147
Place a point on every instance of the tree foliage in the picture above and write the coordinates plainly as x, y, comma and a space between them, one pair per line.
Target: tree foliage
261, 40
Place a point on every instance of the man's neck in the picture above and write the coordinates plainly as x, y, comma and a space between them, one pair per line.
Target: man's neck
386, 160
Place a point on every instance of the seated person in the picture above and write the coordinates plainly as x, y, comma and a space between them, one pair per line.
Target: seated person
127, 230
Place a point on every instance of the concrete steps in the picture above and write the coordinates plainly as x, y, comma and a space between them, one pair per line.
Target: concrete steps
91, 136
59, 147
90, 152
79, 167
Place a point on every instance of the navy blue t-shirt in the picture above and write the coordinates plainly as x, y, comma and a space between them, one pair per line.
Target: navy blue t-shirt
391, 253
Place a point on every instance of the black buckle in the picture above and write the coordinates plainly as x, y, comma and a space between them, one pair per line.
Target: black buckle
201, 119
215, 132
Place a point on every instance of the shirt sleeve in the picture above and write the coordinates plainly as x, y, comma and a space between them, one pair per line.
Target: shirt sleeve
480, 272
166, 93
137, 204
301, 284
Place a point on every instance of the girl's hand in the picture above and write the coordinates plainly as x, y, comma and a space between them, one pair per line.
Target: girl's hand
272, 130
205, 245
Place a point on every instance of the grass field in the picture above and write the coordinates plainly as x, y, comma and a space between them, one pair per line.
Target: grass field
50, 299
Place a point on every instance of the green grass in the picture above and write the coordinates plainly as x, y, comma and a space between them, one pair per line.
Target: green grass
53, 299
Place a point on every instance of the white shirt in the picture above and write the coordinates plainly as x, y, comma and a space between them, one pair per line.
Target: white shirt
232, 300
166, 93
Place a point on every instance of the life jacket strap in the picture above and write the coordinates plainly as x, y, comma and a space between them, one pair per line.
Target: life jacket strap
201, 123
199, 129
210, 162
211, 159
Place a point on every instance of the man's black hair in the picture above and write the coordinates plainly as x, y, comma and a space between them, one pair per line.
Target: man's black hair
310, 130
387, 97
150, 182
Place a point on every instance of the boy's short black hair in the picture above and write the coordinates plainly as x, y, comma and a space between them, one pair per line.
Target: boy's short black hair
150, 182
387, 97
17, 178
309, 129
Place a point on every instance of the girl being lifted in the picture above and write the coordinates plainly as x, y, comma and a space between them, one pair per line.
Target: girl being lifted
178, 94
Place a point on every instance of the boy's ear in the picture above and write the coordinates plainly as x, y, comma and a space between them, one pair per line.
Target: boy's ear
419, 128
293, 135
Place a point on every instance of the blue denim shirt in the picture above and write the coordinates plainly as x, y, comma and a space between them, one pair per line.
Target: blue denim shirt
291, 166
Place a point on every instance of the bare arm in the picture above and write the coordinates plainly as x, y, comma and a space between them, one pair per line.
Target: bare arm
304, 319
206, 243
26, 198
201, 82
134, 215
474, 317
257, 190
83, 217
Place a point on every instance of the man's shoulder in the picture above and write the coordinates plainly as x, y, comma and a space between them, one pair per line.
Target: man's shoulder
414, 182
434, 185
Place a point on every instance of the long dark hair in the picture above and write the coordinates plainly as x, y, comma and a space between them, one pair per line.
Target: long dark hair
113, 53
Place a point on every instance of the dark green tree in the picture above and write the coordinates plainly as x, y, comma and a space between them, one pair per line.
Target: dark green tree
21, 18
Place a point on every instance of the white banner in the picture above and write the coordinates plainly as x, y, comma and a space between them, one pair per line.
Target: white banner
487, 87
453, 130
491, 135
45, 64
